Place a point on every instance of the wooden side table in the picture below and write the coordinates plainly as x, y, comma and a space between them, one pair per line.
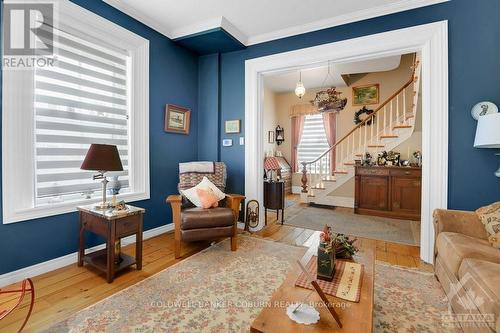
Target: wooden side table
112, 227
274, 198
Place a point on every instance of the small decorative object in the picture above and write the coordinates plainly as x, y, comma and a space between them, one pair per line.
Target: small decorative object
418, 156
279, 153
393, 158
365, 113
280, 135
302, 313
115, 185
405, 163
232, 126
177, 119
270, 137
102, 158
326, 254
367, 159
329, 101
488, 133
483, 108
252, 215
227, 142
345, 248
365, 95
357, 162
300, 90
382, 158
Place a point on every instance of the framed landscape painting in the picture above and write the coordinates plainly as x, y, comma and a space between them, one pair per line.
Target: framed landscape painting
232, 126
365, 95
177, 119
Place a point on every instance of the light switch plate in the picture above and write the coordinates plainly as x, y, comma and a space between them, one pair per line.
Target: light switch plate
242, 140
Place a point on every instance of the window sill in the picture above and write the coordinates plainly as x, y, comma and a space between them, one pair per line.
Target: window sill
65, 207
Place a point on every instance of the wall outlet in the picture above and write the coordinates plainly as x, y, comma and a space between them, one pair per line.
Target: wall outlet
242, 140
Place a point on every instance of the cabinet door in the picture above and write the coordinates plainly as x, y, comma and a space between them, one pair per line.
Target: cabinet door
374, 193
406, 195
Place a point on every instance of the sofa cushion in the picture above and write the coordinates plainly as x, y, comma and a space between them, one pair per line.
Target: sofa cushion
198, 218
453, 247
490, 218
481, 280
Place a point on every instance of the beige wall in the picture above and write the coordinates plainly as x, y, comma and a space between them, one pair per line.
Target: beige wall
270, 119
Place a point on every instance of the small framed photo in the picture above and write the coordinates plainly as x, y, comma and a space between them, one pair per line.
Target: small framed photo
227, 142
232, 126
270, 137
365, 95
177, 119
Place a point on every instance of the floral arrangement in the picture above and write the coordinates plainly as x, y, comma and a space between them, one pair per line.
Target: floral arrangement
344, 247
329, 100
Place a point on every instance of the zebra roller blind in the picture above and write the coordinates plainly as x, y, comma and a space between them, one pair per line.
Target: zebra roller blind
313, 141
82, 99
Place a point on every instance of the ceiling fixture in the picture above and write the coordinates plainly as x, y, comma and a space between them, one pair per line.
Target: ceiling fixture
300, 90
328, 100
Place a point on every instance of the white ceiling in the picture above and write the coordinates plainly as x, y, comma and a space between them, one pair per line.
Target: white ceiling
256, 21
315, 77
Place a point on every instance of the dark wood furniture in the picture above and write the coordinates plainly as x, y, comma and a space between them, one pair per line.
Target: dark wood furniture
274, 198
388, 191
112, 227
355, 317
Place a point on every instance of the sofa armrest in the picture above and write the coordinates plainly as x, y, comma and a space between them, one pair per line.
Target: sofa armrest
462, 222
233, 201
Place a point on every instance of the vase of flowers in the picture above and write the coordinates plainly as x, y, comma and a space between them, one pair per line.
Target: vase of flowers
326, 255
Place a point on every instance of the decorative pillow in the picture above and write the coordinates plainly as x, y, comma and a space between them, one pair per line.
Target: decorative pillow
207, 198
490, 218
205, 183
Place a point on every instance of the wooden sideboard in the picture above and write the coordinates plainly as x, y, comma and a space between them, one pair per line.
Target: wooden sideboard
388, 191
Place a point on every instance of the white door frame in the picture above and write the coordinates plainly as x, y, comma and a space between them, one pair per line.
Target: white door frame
431, 40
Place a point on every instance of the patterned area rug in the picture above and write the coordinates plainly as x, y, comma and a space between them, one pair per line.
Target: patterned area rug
215, 290
408, 300
218, 290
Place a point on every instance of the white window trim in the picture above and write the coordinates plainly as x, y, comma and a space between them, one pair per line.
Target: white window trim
18, 181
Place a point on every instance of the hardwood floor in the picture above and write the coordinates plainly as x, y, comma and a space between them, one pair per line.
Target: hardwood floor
69, 289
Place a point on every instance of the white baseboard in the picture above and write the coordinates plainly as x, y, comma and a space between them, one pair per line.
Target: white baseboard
50, 265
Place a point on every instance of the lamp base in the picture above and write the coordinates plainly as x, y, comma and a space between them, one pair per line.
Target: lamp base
102, 206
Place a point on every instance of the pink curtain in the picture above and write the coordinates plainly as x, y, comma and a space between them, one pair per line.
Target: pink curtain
330, 123
297, 127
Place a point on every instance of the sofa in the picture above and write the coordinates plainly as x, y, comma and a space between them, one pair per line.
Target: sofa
468, 268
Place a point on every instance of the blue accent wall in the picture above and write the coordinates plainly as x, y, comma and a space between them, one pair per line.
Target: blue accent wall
208, 106
474, 75
173, 79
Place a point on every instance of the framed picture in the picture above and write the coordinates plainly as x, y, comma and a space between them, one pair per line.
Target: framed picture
270, 137
365, 95
177, 119
232, 126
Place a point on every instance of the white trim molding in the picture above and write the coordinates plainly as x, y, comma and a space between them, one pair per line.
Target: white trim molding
431, 40
18, 166
231, 27
69, 259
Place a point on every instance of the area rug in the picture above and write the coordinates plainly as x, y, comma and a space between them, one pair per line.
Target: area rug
215, 290
408, 300
374, 227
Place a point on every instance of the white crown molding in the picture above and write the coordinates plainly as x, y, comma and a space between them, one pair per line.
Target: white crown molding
360, 15
197, 28
69, 259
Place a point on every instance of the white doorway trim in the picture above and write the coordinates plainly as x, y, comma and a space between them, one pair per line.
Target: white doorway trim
431, 40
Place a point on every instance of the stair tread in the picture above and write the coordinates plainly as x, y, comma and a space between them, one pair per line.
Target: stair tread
343, 172
329, 180
402, 126
349, 163
376, 146
389, 136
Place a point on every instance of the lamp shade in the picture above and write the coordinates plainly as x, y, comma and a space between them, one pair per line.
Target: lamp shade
488, 131
102, 158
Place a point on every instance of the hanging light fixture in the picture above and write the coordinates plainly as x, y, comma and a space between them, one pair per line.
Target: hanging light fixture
300, 90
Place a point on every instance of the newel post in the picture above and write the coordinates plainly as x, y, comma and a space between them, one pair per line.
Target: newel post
304, 178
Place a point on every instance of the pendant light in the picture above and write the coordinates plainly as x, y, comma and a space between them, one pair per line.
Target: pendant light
300, 90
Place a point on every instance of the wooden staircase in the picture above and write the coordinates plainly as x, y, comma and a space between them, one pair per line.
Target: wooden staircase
387, 127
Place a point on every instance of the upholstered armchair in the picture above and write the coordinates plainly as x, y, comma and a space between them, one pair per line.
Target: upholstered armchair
193, 223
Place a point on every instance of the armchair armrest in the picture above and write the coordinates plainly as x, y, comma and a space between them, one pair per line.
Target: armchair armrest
174, 198
463, 222
233, 201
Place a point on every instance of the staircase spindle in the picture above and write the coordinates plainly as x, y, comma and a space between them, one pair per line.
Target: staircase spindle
377, 132
404, 106
371, 128
385, 114
390, 114
365, 139
397, 106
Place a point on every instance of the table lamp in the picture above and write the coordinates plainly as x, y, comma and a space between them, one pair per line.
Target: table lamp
102, 158
488, 133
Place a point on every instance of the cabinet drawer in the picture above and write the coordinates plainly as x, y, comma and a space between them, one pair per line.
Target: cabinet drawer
407, 172
127, 225
372, 171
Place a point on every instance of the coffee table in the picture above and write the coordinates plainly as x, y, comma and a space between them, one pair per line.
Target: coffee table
355, 317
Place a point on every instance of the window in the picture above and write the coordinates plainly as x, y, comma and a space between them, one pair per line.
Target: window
96, 92
313, 141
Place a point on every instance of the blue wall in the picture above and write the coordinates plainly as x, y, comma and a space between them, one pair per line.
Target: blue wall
208, 104
173, 79
474, 75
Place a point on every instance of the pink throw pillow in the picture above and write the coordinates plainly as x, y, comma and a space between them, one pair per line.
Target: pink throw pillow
208, 198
